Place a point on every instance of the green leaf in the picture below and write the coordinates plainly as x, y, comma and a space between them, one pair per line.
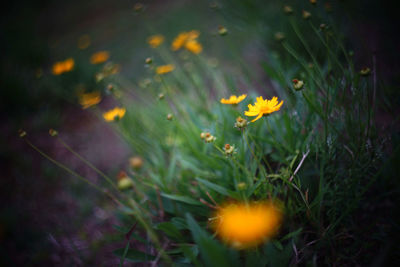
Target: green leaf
183, 199
215, 187
133, 255
213, 253
170, 230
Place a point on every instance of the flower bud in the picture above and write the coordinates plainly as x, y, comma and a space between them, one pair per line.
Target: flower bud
365, 71
241, 123
288, 10
298, 84
222, 30
21, 133
136, 162
279, 36
149, 60
229, 150
53, 132
306, 14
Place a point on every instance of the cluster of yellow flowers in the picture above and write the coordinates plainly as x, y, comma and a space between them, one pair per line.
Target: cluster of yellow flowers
261, 107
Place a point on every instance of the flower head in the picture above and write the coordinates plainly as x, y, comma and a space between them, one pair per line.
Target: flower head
89, 99
136, 162
114, 114
188, 40
247, 225
298, 84
229, 150
193, 46
263, 107
155, 40
233, 99
99, 57
63, 66
165, 69
207, 137
241, 123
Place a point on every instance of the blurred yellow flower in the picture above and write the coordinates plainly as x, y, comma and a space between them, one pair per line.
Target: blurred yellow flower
165, 69
99, 57
155, 40
263, 107
89, 99
84, 42
247, 225
233, 99
63, 66
188, 40
113, 114
193, 46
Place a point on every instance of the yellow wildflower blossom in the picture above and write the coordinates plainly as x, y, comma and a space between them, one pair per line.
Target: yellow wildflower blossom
165, 69
63, 66
193, 46
155, 40
233, 100
263, 107
188, 40
247, 225
99, 57
89, 99
113, 114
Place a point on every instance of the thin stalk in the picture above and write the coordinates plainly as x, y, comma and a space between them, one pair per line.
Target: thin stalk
88, 163
62, 166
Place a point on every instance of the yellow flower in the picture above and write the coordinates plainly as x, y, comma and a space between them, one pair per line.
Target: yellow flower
247, 225
165, 69
263, 107
113, 114
63, 66
89, 99
187, 40
233, 99
99, 57
84, 42
155, 40
194, 46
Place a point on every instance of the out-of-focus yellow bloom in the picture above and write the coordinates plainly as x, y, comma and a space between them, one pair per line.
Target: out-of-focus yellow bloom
247, 225
263, 107
194, 46
165, 69
99, 57
188, 40
89, 99
84, 42
233, 100
63, 66
115, 113
155, 40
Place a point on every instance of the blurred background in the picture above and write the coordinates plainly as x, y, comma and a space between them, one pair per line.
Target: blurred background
49, 218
